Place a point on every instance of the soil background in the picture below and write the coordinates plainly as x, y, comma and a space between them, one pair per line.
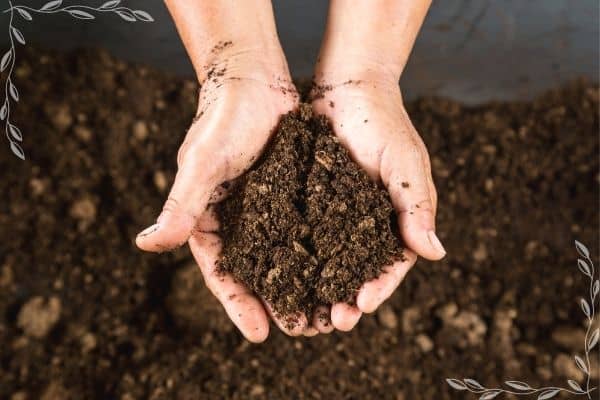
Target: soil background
85, 315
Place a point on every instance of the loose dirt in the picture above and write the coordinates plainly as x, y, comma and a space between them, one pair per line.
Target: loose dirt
306, 226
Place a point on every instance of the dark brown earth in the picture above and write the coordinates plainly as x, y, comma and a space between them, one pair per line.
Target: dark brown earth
306, 226
85, 315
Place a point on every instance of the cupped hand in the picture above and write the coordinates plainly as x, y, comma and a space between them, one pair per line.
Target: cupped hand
237, 113
369, 118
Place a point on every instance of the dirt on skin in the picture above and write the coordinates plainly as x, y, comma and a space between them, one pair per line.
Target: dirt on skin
85, 315
306, 226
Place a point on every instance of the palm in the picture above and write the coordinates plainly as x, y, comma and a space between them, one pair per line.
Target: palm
234, 122
370, 120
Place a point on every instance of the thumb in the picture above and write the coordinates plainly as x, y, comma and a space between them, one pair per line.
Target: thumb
188, 199
413, 195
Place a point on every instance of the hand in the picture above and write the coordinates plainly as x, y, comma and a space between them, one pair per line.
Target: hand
369, 118
241, 102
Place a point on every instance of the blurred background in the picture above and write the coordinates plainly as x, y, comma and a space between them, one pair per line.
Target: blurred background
470, 50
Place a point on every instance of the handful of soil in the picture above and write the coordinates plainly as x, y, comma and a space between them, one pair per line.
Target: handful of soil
307, 226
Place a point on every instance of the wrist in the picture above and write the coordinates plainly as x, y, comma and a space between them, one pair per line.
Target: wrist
227, 59
336, 68
239, 36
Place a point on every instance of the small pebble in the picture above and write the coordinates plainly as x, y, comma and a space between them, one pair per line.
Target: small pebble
38, 316
88, 342
140, 130
37, 186
60, 116
83, 133
464, 328
570, 338
83, 209
480, 253
160, 181
6, 276
55, 391
387, 317
257, 390
544, 373
19, 396
410, 318
489, 185
564, 365
424, 342
447, 311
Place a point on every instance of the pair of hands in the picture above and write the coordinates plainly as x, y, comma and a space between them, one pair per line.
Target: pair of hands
237, 116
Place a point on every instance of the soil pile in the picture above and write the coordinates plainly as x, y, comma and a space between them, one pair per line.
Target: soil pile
307, 226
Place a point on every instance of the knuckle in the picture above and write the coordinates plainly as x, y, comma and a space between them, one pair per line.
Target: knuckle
171, 205
434, 197
181, 153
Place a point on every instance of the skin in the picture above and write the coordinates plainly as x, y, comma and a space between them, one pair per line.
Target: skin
246, 87
364, 51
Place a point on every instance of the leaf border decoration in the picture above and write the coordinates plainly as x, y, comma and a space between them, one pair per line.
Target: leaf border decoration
7, 62
517, 388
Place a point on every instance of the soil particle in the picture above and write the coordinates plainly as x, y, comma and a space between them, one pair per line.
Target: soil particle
84, 133
318, 91
19, 396
257, 390
306, 226
463, 329
480, 253
564, 366
6, 276
447, 311
84, 209
424, 343
38, 186
569, 338
88, 342
387, 317
410, 320
160, 181
140, 130
221, 45
38, 316
504, 332
59, 115
56, 391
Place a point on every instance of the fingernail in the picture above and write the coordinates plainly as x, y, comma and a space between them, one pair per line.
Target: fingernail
435, 242
149, 230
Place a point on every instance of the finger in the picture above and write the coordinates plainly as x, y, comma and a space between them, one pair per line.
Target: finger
344, 316
208, 221
322, 319
413, 195
220, 193
310, 331
291, 325
376, 291
242, 307
189, 196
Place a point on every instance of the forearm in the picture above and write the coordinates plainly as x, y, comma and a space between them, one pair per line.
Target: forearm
369, 37
217, 30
